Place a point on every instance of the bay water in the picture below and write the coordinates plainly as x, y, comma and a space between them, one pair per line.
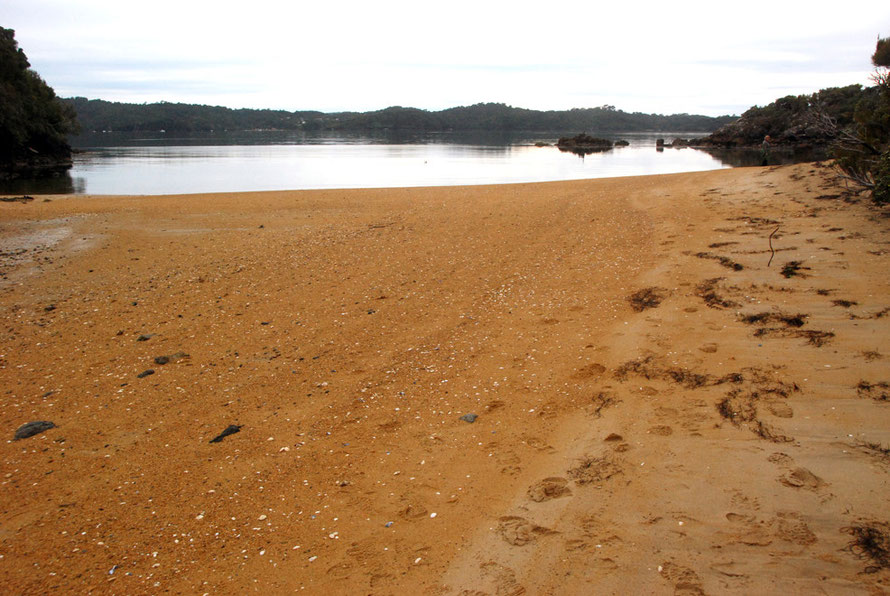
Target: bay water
162, 163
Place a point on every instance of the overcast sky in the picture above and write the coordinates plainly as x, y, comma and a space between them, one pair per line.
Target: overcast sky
659, 57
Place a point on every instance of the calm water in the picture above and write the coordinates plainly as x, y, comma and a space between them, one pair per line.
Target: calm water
157, 163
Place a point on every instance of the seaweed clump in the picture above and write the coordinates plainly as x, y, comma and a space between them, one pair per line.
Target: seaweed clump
707, 291
793, 269
871, 541
876, 391
725, 261
646, 298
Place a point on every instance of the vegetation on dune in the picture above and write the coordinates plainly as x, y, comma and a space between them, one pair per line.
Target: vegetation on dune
34, 124
852, 122
862, 148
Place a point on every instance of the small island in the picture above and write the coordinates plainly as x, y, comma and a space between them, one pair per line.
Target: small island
584, 144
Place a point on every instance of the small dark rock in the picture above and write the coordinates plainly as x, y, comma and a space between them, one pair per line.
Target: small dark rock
145, 373
49, 308
471, 418
33, 428
230, 430
145, 337
162, 359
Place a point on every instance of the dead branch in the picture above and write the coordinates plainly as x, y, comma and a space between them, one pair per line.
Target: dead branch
772, 250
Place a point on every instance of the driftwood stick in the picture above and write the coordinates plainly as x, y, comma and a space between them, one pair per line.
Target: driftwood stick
772, 250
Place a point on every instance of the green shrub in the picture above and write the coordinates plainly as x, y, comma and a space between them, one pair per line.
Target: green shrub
882, 180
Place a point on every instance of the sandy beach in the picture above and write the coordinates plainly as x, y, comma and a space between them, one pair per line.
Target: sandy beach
669, 384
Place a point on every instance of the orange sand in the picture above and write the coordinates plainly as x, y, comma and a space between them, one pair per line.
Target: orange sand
677, 449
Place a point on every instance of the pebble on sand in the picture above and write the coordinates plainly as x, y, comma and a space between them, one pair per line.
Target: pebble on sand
230, 430
469, 418
33, 428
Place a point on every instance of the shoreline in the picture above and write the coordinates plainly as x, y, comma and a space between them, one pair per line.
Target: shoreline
678, 448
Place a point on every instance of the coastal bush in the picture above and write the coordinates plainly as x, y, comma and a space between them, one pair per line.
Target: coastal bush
795, 120
34, 124
862, 149
882, 180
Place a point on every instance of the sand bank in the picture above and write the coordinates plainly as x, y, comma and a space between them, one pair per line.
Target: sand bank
726, 431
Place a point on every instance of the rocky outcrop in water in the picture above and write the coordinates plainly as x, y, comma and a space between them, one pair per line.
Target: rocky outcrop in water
583, 144
792, 121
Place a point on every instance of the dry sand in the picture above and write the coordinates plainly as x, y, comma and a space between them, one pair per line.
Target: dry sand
680, 448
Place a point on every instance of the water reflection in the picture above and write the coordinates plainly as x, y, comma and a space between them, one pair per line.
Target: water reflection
232, 162
778, 156
582, 151
62, 184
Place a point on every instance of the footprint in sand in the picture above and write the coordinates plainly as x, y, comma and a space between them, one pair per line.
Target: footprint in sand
576, 544
537, 443
591, 469
785, 526
503, 577
779, 409
802, 478
549, 488
661, 430
684, 579
379, 577
789, 527
413, 511
340, 570
518, 531
740, 499
590, 371
780, 459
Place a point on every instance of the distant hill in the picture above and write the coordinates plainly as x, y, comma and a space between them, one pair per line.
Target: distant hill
99, 115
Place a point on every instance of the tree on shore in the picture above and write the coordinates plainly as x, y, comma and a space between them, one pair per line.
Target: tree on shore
34, 123
862, 150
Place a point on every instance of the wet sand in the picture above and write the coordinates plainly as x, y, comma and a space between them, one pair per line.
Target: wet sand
658, 409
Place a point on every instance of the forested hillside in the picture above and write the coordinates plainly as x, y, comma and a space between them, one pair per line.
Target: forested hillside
99, 115
34, 124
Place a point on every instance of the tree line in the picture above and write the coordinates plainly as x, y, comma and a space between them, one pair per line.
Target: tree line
99, 115
34, 125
